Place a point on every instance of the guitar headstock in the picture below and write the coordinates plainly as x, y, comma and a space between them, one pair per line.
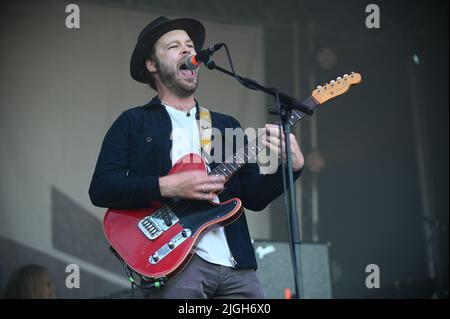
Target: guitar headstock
336, 87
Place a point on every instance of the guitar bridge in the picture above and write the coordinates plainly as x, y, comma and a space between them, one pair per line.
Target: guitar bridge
153, 226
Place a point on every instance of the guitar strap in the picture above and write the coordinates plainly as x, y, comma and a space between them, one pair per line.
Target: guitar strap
204, 125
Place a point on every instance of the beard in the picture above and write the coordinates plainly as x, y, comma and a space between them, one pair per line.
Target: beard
168, 77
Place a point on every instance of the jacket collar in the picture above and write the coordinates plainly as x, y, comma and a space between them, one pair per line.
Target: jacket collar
156, 102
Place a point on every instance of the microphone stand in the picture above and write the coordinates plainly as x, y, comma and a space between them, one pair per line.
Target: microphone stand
285, 104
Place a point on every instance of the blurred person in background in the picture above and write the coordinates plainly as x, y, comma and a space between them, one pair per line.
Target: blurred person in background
30, 282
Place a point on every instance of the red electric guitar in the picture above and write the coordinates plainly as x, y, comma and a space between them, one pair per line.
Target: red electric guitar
158, 241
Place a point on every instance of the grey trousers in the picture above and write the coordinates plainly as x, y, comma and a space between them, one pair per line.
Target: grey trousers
203, 280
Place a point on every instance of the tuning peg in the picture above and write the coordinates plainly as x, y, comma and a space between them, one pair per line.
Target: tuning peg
338, 78
345, 75
332, 81
318, 87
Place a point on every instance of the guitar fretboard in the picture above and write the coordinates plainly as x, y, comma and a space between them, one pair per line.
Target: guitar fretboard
233, 163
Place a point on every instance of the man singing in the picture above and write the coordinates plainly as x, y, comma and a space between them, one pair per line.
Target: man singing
139, 150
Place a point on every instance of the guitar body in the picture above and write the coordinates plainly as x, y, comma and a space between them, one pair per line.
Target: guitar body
160, 240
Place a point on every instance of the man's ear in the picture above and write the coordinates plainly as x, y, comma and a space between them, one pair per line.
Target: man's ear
151, 66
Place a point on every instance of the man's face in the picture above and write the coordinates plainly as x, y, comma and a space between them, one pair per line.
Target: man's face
171, 51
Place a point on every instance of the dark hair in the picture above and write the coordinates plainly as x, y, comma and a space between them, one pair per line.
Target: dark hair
150, 78
27, 282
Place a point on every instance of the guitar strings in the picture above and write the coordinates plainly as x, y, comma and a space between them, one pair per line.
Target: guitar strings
183, 204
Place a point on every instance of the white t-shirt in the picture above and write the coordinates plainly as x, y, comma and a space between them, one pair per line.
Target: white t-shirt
213, 245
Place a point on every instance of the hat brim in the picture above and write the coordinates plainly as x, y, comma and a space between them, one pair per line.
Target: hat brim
193, 28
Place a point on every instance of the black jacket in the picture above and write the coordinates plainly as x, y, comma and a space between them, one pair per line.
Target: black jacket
136, 152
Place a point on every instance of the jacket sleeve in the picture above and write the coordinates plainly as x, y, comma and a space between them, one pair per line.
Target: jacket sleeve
257, 189
111, 186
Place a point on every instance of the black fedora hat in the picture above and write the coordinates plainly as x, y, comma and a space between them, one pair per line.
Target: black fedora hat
152, 32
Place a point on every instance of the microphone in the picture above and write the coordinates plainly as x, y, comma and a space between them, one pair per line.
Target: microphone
193, 61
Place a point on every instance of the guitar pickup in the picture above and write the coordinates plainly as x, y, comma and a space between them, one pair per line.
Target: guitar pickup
153, 226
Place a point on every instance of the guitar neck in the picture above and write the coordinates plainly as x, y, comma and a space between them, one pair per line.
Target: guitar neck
233, 163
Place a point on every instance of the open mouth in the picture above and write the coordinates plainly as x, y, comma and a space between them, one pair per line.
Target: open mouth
183, 69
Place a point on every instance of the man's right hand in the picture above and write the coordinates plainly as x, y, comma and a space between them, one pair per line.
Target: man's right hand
191, 185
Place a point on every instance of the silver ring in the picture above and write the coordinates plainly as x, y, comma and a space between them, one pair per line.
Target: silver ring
203, 189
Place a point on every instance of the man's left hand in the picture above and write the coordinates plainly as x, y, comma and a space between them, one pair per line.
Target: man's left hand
274, 142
